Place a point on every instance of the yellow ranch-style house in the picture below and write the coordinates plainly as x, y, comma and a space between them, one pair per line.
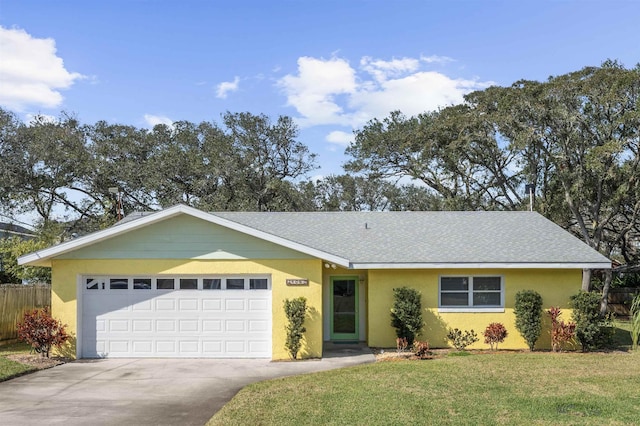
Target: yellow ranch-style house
182, 282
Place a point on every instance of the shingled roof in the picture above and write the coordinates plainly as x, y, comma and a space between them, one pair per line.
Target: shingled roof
392, 239
371, 239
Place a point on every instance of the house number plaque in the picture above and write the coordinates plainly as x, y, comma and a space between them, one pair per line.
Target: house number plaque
297, 281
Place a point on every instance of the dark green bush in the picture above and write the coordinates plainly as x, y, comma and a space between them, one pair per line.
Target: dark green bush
296, 311
528, 311
593, 331
406, 314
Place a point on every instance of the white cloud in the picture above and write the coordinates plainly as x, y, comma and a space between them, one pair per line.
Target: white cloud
413, 94
340, 138
332, 92
382, 70
223, 89
31, 73
435, 59
314, 90
153, 120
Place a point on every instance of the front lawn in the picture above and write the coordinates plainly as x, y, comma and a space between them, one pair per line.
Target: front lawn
10, 368
501, 388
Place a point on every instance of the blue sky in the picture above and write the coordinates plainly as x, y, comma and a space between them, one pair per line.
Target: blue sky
332, 65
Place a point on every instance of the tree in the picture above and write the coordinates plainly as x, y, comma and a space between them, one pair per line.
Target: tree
574, 137
122, 157
266, 160
580, 134
455, 152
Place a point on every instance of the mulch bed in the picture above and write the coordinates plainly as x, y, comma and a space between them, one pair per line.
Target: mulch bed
391, 354
37, 361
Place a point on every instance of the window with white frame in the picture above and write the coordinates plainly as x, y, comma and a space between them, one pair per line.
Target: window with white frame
471, 293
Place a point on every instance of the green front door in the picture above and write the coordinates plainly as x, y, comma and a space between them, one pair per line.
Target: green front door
344, 308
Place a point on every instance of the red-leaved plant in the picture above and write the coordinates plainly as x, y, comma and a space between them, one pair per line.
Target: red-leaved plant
421, 349
40, 330
494, 333
561, 332
401, 344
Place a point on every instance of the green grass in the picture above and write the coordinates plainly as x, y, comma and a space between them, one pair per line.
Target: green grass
622, 334
503, 388
9, 368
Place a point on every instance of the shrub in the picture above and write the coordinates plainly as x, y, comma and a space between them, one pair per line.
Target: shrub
461, 339
406, 314
421, 349
528, 311
401, 344
635, 321
296, 311
593, 331
494, 333
561, 332
40, 330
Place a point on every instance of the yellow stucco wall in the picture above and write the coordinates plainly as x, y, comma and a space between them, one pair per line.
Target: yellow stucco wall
555, 287
65, 274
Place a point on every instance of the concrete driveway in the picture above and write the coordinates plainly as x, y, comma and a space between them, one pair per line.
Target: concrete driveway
145, 391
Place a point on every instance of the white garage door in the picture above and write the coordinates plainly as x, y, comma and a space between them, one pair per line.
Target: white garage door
192, 317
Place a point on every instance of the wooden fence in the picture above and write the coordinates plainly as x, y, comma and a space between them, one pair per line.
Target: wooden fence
619, 300
15, 300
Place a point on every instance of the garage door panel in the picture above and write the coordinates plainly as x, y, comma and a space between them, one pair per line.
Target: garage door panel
212, 347
143, 305
142, 325
212, 325
168, 326
118, 346
188, 325
188, 305
118, 325
166, 347
164, 304
235, 304
189, 348
258, 326
237, 326
176, 323
260, 346
257, 305
212, 305
236, 347
143, 347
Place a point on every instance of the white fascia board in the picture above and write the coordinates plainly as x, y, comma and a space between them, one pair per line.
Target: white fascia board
443, 265
42, 257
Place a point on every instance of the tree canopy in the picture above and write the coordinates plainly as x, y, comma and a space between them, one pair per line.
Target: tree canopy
573, 139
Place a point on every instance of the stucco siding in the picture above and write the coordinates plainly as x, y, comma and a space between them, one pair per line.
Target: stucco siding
555, 287
66, 274
184, 237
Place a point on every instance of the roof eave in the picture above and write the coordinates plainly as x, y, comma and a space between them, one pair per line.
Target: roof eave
481, 265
